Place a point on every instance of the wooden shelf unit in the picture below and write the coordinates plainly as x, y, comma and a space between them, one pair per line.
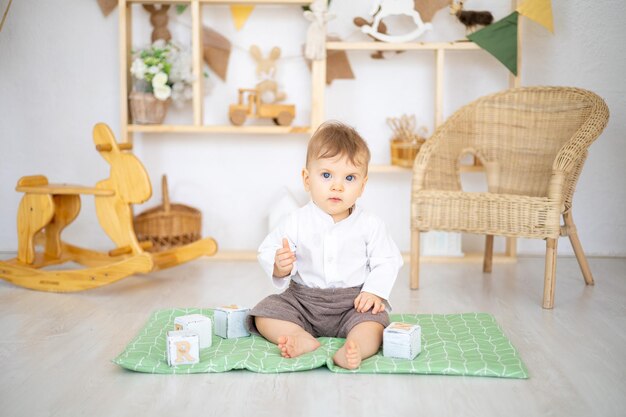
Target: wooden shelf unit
390, 169
440, 49
250, 129
125, 39
405, 46
318, 86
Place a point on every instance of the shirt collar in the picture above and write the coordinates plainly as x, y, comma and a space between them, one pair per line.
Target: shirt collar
328, 218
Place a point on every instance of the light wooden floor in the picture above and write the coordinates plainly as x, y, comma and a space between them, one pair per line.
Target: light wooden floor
56, 349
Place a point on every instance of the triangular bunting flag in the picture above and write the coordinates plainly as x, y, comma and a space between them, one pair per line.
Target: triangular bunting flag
538, 10
500, 40
240, 15
337, 63
107, 6
216, 51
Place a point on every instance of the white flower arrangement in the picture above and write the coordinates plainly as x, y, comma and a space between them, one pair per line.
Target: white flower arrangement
165, 70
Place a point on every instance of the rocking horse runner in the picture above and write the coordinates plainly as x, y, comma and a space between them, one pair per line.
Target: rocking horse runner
385, 8
46, 209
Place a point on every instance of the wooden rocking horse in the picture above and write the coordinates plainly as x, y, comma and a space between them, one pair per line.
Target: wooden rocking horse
46, 209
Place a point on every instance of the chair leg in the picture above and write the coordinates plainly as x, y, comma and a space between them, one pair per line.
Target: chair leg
488, 257
578, 249
415, 259
550, 273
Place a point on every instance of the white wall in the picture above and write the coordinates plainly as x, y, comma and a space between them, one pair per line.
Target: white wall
59, 76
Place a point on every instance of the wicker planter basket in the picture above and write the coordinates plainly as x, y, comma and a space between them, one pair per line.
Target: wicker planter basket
168, 225
145, 109
403, 153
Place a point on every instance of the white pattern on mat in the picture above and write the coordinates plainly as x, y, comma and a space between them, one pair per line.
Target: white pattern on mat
452, 344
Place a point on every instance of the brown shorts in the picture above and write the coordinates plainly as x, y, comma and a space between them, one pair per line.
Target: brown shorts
321, 312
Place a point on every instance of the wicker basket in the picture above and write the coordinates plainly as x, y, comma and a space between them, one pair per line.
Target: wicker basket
145, 109
403, 152
168, 225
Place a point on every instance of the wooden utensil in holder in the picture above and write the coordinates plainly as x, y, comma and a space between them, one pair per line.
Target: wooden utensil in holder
405, 142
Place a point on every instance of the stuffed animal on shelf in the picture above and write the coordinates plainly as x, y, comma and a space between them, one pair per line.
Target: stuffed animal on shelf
267, 88
472, 20
260, 102
316, 34
384, 8
159, 19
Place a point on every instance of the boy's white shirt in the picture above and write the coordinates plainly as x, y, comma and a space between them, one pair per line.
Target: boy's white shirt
355, 251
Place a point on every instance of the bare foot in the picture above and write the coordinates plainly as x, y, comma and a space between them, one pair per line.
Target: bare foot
348, 356
296, 345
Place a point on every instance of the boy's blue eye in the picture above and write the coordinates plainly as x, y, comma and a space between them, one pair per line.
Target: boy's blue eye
350, 178
326, 175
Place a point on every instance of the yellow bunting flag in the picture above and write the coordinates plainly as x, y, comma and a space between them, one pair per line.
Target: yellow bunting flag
538, 10
240, 15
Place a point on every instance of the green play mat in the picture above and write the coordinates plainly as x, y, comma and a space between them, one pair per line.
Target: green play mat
452, 344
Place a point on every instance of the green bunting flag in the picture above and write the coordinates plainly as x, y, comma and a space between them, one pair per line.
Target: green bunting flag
500, 40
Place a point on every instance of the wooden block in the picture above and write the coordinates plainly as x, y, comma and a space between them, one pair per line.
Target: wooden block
230, 321
402, 340
199, 324
183, 348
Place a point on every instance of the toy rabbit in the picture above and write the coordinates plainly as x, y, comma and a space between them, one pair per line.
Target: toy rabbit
266, 68
159, 19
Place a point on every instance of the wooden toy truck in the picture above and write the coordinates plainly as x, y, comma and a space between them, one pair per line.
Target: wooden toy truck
281, 114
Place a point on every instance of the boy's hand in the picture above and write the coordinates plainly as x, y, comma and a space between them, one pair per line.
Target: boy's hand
283, 261
365, 300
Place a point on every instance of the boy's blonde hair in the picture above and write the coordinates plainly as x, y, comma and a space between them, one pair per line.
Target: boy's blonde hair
334, 138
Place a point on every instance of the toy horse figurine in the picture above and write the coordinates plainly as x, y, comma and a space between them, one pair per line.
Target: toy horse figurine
385, 8
46, 209
382, 29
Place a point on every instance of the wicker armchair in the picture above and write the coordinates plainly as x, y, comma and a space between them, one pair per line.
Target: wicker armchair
532, 142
